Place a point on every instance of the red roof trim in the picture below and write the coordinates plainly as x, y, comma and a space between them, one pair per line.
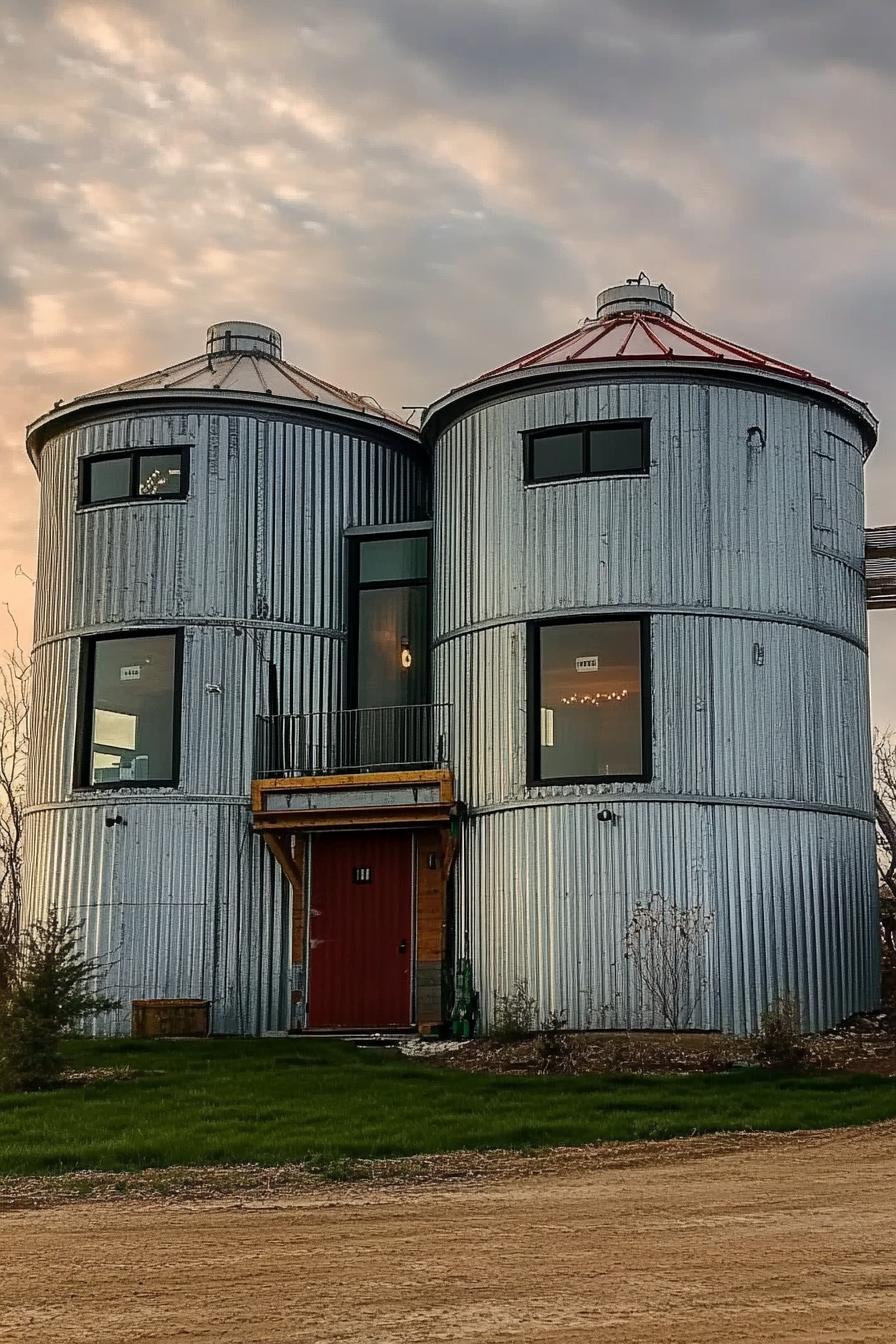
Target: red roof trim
655, 326
603, 329
533, 354
645, 327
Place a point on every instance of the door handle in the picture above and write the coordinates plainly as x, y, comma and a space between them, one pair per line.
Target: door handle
403, 945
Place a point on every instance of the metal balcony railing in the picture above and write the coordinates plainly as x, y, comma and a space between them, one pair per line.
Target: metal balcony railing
346, 740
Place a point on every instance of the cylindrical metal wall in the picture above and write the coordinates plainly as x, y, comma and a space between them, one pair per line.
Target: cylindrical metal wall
744, 546
179, 897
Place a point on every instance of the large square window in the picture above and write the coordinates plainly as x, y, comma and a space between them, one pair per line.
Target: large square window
588, 700
130, 710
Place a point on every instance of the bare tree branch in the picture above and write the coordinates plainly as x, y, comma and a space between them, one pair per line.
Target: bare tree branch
667, 945
884, 761
15, 694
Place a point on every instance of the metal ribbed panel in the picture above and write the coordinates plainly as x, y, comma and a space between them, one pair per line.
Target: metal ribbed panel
225, 684
724, 518
179, 901
268, 499
759, 696
741, 709
545, 895
182, 899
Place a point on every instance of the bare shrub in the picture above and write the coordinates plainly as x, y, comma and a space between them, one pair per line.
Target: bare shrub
514, 1016
15, 693
553, 1046
884, 761
666, 944
779, 1041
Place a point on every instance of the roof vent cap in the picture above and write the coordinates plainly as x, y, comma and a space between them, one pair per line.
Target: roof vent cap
636, 296
228, 338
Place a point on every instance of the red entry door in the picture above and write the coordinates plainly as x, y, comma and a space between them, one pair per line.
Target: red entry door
360, 930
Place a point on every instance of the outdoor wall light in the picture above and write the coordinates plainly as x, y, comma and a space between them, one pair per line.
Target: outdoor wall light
406, 656
606, 815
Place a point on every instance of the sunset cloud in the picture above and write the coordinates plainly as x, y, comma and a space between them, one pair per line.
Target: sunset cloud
415, 190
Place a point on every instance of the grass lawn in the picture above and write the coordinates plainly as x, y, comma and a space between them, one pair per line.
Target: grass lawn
274, 1101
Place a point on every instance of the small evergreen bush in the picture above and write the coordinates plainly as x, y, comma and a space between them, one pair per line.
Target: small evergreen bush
53, 989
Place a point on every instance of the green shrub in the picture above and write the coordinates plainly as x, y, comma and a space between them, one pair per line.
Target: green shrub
53, 989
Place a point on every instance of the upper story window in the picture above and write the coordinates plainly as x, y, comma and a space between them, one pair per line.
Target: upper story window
130, 697
604, 448
144, 474
588, 700
390, 624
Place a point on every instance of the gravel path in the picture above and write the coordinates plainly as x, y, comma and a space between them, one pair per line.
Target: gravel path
747, 1238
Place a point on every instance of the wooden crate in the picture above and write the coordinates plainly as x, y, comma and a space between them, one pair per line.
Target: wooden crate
169, 1017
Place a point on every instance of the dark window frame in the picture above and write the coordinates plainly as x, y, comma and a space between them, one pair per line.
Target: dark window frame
584, 427
355, 586
533, 702
134, 456
82, 782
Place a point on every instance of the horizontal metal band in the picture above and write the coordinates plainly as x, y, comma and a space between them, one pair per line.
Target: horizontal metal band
123, 797
646, 609
139, 623
704, 800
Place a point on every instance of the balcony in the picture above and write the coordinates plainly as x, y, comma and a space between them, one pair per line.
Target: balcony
351, 741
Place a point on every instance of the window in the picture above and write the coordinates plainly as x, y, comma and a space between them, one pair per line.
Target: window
588, 694
130, 710
149, 473
609, 448
390, 629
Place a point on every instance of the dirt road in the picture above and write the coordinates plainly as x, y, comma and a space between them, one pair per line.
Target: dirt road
762, 1239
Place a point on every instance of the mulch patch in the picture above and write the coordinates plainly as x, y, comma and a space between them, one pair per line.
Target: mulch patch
865, 1043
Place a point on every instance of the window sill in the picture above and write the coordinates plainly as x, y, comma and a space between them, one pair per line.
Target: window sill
590, 476
128, 503
589, 781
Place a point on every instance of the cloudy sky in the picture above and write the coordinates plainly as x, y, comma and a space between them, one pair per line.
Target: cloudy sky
415, 190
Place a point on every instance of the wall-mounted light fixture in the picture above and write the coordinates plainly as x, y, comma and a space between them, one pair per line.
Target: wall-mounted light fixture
406, 655
606, 815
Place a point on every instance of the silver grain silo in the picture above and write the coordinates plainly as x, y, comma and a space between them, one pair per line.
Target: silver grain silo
649, 618
190, 576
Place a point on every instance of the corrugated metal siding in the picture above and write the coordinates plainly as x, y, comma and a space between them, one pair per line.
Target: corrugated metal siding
182, 899
545, 894
225, 683
179, 901
789, 728
724, 518
759, 695
269, 500
504, 537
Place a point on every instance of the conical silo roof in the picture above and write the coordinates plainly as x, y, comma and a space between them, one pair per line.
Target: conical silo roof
636, 325
242, 361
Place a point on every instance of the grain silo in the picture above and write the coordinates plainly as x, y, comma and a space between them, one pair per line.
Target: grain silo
649, 619
192, 575
320, 709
